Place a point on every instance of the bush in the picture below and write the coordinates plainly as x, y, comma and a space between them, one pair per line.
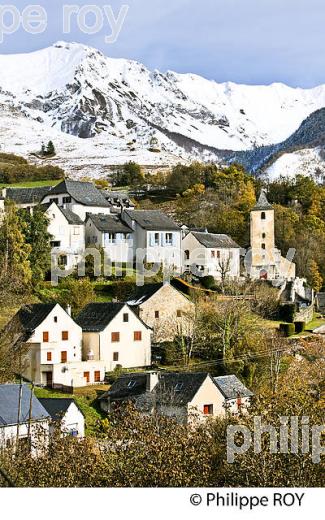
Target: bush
288, 329
287, 312
208, 282
300, 326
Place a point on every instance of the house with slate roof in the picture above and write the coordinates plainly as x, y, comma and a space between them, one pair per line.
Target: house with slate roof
26, 198
156, 237
67, 232
79, 197
114, 335
208, 254
165, 309
237, 398
112, 234
66, 415
52, 348
183, 396
23, 416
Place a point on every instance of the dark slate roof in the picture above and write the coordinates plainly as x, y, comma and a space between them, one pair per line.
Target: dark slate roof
211, 240
231, 386
71, 217
262, 203
110, 224
117, 196
96, 316
58, 407
173, 388
122, 389
29, 317
153, 220
9, 399
142, 294
83, 192
27, 195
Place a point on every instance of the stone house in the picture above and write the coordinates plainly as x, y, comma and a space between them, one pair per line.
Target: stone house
184, 396
165, 309
208, 254
114, 335
22, 416
66, 415
237, 398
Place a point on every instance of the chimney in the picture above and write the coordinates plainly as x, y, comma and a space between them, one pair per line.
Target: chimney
68, 309
152, 380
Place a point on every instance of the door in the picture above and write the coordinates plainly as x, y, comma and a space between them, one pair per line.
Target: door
87, 376
97, 376
49, 379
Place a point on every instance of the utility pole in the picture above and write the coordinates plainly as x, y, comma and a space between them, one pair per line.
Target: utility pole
30, 415
19, 410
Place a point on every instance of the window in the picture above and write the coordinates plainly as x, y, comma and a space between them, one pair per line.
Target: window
169, 239
115, 356
131, 384
231, 255
97, 376
115, 336
64, 356
55, 243
187, 254
263, 235
137, 336
125, 317
55, 319
263, 246
63, 261
218, 254
87, 376
157, 315
179, 313
263, 215
156, 239
76, 231
208, 409
54, 200
65, 335
213, 254
66, 200
49, 356
178, 387
46, 337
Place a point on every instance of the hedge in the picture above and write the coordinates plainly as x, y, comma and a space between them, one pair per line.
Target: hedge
287, 312
288, 329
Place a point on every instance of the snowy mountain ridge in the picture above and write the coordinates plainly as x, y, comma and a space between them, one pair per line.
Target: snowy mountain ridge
108, 111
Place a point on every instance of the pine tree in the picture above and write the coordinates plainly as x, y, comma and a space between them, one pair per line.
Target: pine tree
15, 266
50, 150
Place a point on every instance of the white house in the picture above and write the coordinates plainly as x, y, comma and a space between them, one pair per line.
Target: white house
208, 254
22, 418
65, 414
79, 197
52, 347
185, 396
156, 235
67, 232
115, 335
112, 234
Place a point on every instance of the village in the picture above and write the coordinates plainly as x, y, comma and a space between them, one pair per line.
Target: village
65, 353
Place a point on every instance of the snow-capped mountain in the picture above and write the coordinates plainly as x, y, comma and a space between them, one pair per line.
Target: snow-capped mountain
101, 111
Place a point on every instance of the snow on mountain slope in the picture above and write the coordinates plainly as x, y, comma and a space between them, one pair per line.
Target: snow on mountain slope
308, 162
94, 106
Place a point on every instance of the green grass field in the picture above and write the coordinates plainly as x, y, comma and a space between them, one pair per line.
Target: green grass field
86, 399
30, 184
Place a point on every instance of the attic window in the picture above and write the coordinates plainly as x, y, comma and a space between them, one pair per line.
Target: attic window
263, 215
55, 319
131, 384
178, 387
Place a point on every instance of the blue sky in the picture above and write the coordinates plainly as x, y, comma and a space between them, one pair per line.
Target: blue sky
245, 41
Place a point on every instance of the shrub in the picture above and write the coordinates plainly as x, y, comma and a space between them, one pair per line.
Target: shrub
300, 326
208, 282
288, 329
287, 312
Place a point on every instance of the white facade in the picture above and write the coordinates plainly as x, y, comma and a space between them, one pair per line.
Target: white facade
73, 421
219, 262
118, 246
125, 343
68, 240
66, 201
38, 435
